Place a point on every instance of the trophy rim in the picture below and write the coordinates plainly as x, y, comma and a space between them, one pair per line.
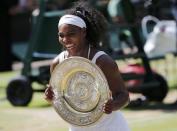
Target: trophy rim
67, 112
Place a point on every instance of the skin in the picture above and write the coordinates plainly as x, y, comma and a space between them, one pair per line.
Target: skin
73, 39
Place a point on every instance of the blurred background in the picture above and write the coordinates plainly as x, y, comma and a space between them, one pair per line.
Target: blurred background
141, 38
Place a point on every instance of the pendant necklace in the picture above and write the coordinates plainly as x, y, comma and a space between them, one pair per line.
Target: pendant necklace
88, 55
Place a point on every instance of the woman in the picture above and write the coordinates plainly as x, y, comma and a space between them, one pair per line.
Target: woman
80, 32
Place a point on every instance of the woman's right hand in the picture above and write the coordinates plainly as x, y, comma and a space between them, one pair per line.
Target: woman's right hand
49, 94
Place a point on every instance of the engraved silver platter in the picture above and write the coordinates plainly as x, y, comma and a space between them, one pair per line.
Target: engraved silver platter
80, 89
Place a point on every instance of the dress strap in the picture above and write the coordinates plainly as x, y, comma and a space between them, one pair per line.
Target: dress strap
97, 55
61, 57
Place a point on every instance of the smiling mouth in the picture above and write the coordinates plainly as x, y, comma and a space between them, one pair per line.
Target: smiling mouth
70, 47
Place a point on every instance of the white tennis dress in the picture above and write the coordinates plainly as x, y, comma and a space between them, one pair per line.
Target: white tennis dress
108, 122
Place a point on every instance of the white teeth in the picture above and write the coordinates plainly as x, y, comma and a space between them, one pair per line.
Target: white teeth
69, 46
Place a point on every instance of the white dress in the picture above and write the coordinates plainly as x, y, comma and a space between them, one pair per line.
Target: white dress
108, 122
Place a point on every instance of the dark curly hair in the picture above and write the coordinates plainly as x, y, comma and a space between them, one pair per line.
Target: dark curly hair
96, 23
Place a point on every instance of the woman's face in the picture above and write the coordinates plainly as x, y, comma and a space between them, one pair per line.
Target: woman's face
72, 38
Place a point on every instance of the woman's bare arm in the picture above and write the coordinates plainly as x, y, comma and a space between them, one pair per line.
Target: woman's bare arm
116, 84
48, 91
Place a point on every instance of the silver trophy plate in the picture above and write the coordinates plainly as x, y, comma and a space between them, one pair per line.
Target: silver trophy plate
80, 90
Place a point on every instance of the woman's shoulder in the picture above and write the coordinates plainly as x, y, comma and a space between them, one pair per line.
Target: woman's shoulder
60, 57
100, 54
101, 58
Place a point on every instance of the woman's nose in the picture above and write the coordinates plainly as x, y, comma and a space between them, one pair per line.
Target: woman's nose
65, 39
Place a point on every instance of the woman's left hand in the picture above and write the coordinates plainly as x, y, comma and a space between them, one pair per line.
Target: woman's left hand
108, 106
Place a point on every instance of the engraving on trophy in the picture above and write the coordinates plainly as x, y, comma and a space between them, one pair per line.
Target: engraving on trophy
80, 89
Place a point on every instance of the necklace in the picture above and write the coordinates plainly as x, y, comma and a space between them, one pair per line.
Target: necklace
88, 55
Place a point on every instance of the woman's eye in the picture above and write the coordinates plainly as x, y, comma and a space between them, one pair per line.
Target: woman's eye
60, 35
71, 34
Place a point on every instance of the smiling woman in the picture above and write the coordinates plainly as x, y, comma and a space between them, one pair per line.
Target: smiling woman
70, 36
80, 32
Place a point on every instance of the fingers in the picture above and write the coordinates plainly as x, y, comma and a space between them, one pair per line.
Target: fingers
108, 107
49, 95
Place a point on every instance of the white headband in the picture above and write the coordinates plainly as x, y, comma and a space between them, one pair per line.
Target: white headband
73, 20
